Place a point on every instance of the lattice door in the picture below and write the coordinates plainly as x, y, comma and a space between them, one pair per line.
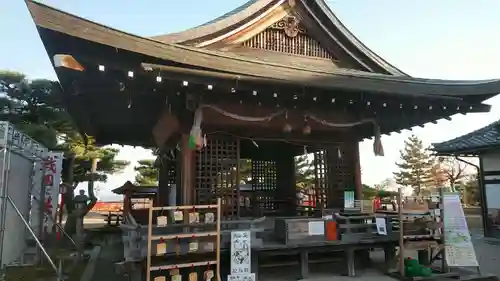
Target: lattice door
170, 167
168, 176
216, 174
320, 179
341, 174
264, 185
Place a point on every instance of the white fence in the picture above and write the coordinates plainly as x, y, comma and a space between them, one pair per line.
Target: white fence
24, 170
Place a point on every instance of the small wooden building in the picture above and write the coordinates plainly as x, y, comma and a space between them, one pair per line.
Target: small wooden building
265, 82
485, 144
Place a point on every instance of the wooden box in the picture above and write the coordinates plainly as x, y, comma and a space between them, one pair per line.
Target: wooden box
300, 230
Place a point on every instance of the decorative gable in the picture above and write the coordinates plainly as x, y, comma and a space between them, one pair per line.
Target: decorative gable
288, 35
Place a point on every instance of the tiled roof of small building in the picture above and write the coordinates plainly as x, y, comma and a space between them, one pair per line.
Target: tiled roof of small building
471, 143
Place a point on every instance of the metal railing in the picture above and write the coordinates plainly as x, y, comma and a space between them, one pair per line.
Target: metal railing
58, 226
39, 244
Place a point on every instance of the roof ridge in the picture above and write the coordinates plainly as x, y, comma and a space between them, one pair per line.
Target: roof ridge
357, 42
226, 20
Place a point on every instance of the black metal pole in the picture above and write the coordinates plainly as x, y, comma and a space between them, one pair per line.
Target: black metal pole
482, 193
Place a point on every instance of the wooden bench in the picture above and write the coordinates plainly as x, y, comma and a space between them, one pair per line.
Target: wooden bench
113, 218
302, 253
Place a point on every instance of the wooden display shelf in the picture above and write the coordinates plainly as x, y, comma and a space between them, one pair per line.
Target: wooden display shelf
184, 235
419, 236
421, 245
419, 242
184, 207
182, 265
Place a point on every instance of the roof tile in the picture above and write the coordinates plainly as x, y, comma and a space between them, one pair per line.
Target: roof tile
472, 142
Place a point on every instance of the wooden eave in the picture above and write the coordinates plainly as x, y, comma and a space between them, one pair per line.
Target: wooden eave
320, 15
233, 65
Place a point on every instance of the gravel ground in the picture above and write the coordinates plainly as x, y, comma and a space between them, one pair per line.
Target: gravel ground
487, 252
104, 270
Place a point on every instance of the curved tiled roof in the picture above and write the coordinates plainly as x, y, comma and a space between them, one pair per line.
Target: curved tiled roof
481, 139
252, 8
226, 62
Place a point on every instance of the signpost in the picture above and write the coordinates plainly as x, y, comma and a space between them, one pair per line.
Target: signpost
348, 199
459, 250
52, 165
241, 269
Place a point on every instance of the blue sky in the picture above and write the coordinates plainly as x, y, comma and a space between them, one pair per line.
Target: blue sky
448, 39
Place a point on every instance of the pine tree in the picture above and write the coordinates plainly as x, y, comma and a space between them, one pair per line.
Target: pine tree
415, 167
147, 172
304, 172
37, 108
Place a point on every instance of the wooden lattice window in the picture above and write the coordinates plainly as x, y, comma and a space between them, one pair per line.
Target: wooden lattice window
216, 174
320, 179
288, 36
341, 174
264, 184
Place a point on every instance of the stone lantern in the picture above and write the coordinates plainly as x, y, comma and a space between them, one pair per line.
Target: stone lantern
80, 202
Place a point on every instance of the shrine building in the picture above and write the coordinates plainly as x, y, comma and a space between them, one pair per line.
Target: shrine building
483, 143
250, 90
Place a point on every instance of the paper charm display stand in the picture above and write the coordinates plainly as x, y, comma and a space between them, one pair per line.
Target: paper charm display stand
191, 246
446, 216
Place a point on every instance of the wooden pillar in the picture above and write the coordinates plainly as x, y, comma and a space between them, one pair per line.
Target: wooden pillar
357, 172
163, 184
187, 172
285, 182
126, 203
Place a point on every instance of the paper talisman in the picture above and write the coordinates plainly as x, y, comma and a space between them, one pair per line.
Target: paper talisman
209, 274
209, 218
194, 217
162, 221
193, 246
193, 276
161, 249
209, 247
178, 216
